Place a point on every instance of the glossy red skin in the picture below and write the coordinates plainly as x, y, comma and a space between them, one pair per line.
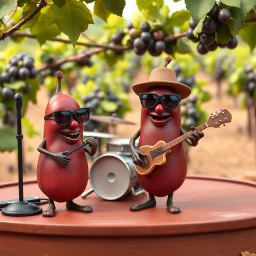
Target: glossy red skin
62, 183
167, 178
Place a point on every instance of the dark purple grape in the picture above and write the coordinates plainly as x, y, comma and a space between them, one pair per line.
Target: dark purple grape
207, 39
176, 68
21, 55
151, 44
224, 15
191, 36
139, 44
146, 37
212, 47
24, 73
33, 73
201, 49
13, 61
153, 51
214, 11
190, 122
222, 45
190, 81
139, 52
169, 49
7, 93
192, 23
232, 43
5, 77
28, 62
181, 79
121, 33
144, 26
130, 26
251, 87
116, 39
192, 112
13, 71
160, 46
210, 26
251, 76
193, 98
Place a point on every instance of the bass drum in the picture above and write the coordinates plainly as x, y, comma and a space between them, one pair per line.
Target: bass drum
112, 176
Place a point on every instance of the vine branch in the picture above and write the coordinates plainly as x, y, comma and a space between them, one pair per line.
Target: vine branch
55, 39
16, 27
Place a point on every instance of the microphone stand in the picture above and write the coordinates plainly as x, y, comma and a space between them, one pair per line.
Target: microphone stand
20, 207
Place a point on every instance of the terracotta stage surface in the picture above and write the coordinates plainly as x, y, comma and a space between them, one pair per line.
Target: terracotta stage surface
218, 218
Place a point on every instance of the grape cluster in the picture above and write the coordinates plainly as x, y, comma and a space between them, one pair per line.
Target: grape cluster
250, 86
20, 67
207, 38
189, 81
189, 113
154, 41
85, 61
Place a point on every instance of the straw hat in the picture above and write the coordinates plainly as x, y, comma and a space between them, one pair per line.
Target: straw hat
163, 76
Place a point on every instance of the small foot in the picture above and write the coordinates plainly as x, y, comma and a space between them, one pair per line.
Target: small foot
148, 204
173, 209
50, 211
80, 208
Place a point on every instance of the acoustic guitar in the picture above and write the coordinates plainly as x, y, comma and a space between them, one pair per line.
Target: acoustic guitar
156, 155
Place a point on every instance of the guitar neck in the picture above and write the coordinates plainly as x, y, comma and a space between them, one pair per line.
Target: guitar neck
183, 137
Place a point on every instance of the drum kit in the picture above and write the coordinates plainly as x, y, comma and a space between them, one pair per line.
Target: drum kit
113, 175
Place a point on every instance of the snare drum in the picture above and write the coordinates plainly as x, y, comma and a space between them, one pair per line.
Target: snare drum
112, 176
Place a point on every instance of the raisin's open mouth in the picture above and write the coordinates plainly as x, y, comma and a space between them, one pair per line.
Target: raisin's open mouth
74, 135
160, 118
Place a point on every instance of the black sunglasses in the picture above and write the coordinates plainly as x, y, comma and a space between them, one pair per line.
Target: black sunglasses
150, 100
64, 117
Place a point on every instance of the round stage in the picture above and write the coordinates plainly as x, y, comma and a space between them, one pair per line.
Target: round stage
218, 218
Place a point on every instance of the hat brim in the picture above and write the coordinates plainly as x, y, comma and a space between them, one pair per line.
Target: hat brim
182, 89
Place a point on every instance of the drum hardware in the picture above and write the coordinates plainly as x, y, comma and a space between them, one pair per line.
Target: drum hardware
113, 174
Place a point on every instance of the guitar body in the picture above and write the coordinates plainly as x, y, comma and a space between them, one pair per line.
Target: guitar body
151, 163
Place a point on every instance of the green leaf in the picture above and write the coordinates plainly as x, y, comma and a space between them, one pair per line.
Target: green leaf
7, 6
235, 3
72, 19
115, 7
2, 112
223, 35
34, 83
145, 4
248, 35
28, 8
108, 106
59, 3
43, 31
199, 27
21, 2
183, 46
17, 85
101, 10
29, 128
199, 8
176, 1
8, 139
179, 17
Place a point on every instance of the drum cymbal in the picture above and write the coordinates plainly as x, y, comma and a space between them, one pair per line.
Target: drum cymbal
98, 134
111, 120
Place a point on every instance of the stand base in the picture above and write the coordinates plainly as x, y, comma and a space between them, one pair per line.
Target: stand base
21, 208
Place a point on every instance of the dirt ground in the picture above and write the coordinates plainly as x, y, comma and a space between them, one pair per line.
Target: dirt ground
226, 152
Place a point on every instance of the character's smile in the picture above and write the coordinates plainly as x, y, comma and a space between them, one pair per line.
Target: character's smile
71, 135
160, 120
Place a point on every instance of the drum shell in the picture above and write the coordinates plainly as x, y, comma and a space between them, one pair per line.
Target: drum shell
104, 161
